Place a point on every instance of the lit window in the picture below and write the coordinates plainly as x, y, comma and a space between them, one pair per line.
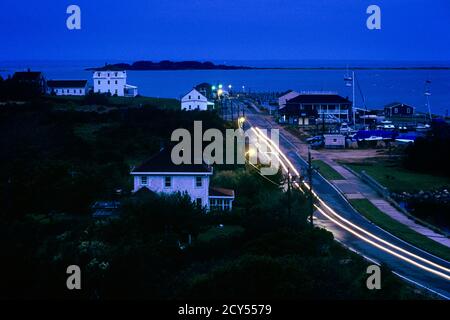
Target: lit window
198, 182
144, 180
167, 182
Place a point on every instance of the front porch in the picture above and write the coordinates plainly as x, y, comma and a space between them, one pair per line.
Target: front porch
220, 199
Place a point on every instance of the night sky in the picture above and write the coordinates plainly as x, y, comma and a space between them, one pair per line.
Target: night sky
219, 29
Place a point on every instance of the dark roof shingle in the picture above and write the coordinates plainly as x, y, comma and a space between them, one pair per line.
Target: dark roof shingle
220, 192
162, 162
66, 83
318, 98
27, 75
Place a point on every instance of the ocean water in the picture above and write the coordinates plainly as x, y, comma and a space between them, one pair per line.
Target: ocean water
376, 87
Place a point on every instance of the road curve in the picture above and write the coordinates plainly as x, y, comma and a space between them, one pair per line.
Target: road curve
360, 235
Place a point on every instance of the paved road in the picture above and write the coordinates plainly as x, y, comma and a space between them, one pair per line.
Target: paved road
433, 273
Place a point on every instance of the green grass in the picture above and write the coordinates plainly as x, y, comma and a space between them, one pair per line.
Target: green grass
367, 209
88, 131
215, 233
398, 179
165, 103
325, 170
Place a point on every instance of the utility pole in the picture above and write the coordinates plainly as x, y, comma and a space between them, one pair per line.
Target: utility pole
311, 202
289, 193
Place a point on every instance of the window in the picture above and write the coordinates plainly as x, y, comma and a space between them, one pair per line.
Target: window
109, 82
198, 182
226, 204
81, 91
395, 110
167, 182
198, 202
198, 106
116, 76
108, 74
115, 82
408, 110
189, 97
144, 180
115, 91
198, 97
98, 81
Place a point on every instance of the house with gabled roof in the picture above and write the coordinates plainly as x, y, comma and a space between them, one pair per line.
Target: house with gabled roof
67, 87
398, 109
194, 100
159, 174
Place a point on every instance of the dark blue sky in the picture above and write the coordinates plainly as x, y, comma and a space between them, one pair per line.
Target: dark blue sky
225, 30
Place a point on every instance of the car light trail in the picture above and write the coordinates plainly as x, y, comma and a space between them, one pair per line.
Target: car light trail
272, 145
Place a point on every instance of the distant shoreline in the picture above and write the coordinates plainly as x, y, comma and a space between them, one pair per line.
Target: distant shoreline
195, 65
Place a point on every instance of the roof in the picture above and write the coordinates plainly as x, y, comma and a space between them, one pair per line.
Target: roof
66, 83
220, 192
195, 92
284, 93
318, 98
27, 75
162, 162
396, 104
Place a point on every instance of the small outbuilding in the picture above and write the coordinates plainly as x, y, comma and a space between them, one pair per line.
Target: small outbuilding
334, 141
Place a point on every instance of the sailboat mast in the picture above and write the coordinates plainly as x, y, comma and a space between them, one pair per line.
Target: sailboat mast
353, 98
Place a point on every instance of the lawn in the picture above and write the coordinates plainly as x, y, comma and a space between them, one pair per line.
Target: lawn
367, 209
216, 232
325, 170
398, 179
164, 103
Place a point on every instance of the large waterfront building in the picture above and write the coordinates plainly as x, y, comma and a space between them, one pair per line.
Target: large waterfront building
306, 108
113, 83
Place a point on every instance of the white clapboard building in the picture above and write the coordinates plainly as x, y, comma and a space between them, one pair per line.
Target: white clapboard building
194, 100
67, 87
113, 83
159, 174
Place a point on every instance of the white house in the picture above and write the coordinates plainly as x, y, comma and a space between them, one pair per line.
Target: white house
285, 97
67, 87
159, 174
194, 100
114, 83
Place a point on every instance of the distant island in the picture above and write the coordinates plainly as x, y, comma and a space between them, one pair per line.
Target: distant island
197, 65
168, 65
